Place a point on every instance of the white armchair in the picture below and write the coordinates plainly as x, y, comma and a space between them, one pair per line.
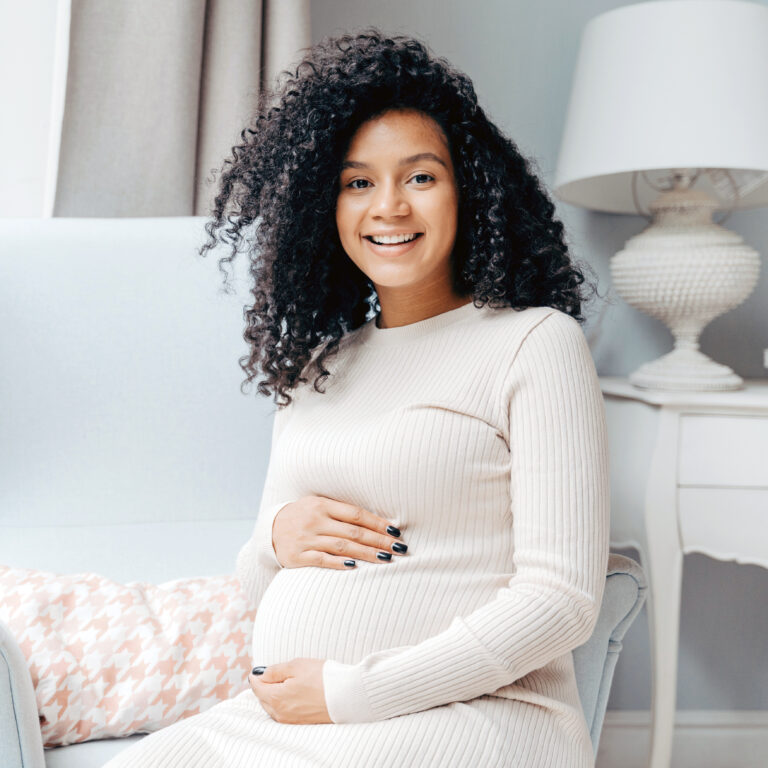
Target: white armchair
128, 449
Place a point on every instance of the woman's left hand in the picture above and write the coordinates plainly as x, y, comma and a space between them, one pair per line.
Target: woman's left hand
292, 692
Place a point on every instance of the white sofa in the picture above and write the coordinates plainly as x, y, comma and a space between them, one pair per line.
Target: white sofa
127, 447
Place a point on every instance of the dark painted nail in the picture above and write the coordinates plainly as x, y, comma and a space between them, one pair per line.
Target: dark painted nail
392, 531
258, 670
349, 563
383, 555
398, 546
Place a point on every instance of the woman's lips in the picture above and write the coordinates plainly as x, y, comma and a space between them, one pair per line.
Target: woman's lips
393, 250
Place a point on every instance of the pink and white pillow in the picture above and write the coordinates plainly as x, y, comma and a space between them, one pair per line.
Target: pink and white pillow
110, 659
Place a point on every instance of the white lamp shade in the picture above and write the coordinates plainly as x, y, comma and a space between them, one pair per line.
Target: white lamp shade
663, 85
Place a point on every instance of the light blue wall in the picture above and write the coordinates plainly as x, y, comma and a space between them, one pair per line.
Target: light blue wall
520, 55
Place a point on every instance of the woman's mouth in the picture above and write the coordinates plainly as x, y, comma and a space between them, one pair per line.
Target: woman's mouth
392, 249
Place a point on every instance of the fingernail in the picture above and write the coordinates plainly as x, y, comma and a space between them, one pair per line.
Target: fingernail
383, 555
258, 670
398, 546
392, 531
349, 563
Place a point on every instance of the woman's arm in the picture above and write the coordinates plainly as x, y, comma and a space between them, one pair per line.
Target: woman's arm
560, 521
257, 563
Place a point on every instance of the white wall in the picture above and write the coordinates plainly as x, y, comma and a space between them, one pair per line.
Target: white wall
520, 55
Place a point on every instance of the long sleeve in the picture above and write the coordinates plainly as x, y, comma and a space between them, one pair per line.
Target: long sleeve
257, 563
559, 522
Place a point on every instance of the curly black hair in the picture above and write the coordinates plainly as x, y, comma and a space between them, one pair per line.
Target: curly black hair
509, 251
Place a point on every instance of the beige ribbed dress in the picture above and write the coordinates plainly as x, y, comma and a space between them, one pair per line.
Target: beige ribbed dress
481, 434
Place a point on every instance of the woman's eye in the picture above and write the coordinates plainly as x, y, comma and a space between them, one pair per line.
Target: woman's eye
425, 176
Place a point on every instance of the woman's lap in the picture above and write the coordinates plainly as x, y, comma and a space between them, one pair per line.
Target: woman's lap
238, 733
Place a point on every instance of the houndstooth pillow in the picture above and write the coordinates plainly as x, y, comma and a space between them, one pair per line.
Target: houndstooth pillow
110, 659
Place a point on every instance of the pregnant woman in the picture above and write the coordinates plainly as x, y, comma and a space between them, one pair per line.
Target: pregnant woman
432, 539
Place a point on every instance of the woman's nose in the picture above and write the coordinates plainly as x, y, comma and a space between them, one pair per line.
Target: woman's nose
389, 200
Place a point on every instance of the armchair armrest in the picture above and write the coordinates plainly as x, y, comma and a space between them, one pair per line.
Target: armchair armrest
625, 593
21, 743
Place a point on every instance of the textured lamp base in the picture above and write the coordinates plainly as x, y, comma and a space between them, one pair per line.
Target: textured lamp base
686, 370
685, 270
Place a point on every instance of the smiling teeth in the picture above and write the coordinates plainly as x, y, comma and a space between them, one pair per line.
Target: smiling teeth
382, 240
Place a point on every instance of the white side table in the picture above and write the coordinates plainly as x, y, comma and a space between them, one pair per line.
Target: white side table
689, 473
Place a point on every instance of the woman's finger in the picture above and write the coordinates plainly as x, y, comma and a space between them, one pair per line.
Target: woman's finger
333, 532
377, 551
313, 557
357, 516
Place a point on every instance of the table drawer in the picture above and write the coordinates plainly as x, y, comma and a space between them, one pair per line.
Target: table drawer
723, 450
726, 523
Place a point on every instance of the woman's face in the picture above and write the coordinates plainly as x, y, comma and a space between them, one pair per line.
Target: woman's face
397, 178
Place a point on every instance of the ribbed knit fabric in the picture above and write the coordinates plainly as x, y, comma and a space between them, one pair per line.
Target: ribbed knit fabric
480, 433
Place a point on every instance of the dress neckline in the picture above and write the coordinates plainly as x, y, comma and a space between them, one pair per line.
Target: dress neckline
376, 336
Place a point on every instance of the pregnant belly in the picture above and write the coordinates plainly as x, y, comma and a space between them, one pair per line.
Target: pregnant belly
345, 615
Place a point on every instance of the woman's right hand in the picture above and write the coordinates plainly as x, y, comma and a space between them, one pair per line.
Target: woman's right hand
324, 532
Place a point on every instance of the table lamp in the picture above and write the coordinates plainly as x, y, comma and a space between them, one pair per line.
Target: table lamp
669, 111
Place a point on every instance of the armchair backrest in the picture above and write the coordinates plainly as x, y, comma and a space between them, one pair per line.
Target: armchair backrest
122, 408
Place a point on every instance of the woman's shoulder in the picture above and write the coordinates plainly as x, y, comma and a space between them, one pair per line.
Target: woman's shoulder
533, 314
519, 324
536, 331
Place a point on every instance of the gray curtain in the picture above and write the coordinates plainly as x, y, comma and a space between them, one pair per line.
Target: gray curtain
157, 94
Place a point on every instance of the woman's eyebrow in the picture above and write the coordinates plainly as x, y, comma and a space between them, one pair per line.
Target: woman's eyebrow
404, 161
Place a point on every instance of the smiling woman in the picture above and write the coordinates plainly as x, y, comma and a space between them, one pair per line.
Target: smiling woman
325, 125
465, 415
397, 215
